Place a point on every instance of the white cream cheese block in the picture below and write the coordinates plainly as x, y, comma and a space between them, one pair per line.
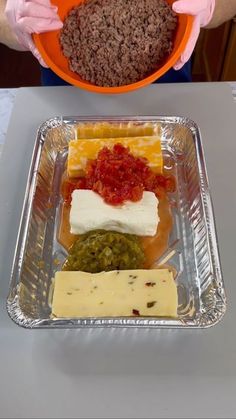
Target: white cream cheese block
90, 212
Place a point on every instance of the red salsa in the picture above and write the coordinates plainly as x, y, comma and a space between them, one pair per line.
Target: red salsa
118, 176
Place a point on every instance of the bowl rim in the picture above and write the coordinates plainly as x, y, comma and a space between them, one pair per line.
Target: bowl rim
120, 89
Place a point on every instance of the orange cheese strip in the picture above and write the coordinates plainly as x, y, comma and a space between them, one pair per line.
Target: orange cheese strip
82, 150
114, 130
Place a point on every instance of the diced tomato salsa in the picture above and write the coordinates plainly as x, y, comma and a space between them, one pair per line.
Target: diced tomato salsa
118, 176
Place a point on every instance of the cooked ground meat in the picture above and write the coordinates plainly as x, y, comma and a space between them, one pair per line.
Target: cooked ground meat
118, 42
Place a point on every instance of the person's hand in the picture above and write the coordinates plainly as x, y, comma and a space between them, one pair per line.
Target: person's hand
31, 16
202, 10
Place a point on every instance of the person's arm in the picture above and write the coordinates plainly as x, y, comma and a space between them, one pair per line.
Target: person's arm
20, 19
7, 36
206, 14
224, 11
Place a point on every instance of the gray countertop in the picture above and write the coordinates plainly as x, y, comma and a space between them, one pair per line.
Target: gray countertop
120, 373
7, 98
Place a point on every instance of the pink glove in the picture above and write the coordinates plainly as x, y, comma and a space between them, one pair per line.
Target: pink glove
202, 10
31, 16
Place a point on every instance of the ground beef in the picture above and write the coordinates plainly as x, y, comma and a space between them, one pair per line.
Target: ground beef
118, 42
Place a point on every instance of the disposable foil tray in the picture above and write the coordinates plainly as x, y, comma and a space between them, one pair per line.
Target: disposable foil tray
192, 252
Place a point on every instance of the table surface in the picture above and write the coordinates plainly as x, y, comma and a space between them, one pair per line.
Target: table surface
120, 373
7, 98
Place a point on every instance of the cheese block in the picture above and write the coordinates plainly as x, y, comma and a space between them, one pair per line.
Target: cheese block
82, 150
112, 130
90, 212
115, 294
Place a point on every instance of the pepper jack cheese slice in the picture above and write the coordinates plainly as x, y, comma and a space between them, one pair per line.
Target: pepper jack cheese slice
108, 130
115, 294
82, 150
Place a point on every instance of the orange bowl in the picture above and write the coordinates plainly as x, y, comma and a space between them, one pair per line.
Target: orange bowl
50, 49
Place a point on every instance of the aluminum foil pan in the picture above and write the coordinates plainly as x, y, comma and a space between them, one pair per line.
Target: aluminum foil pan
193, 250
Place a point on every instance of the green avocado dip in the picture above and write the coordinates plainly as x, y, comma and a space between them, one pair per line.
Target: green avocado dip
101, 250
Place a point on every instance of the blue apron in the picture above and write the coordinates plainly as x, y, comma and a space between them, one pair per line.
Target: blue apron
48, 78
